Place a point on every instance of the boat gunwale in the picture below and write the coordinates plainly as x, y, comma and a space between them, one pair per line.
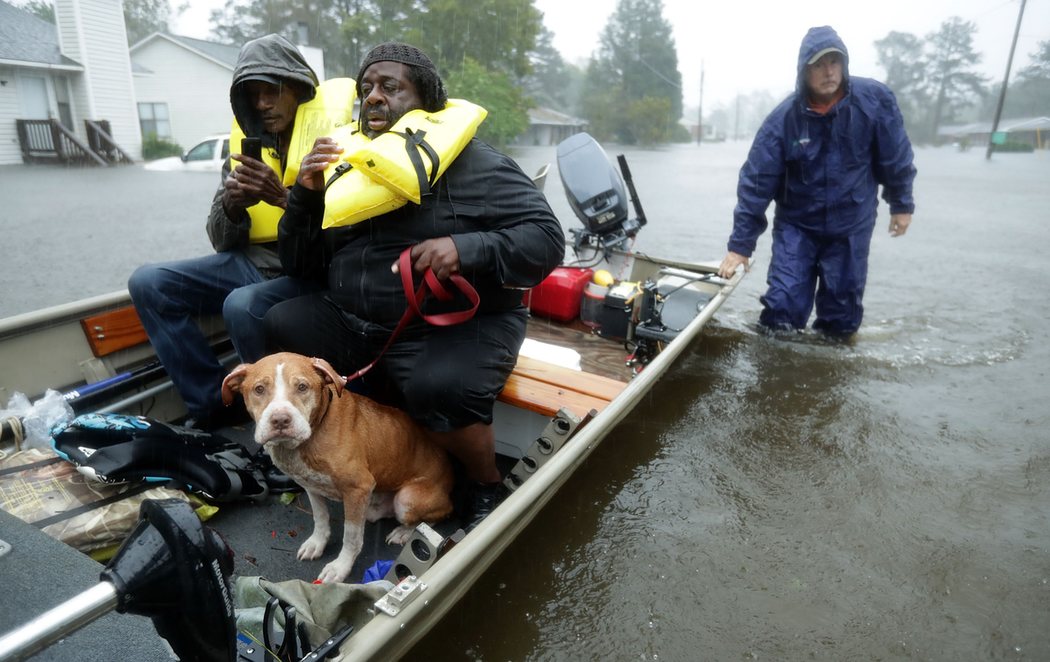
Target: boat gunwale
24, 323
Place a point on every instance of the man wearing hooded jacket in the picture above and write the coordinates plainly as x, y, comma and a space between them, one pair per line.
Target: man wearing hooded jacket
821, 155
242, 278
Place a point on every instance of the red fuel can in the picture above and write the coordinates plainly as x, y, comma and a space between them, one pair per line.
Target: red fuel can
558, 296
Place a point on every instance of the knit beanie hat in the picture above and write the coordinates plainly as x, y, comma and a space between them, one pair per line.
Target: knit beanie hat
393, 51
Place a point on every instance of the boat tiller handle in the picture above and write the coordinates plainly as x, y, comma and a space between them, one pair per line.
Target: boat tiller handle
171, 569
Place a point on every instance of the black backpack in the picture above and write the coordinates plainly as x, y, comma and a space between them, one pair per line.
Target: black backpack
116, 448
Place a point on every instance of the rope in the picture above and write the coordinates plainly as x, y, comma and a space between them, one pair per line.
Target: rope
14, 424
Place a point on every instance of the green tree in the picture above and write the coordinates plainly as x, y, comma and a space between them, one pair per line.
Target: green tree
553, 82
494, 91
602, 100
649, 119
144, 17
901, 55
1039, 68
636, 59
500, 34
1029, 94
41, 9
952, 83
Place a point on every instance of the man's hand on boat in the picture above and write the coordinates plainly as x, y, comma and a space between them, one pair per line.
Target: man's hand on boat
326, 151
730, 263
253, 181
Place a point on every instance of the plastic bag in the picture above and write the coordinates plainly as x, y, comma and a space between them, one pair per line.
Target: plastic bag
40, 419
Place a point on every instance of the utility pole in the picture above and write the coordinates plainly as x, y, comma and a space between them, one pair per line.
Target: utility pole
736, 120
700, 110
1006, 79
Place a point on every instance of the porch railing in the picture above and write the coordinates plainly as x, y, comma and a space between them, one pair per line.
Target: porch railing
47, 141
100, 139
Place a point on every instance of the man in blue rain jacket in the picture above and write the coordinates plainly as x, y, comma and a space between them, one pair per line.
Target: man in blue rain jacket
821, 155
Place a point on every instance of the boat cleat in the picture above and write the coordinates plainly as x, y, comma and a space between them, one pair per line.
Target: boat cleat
397, 598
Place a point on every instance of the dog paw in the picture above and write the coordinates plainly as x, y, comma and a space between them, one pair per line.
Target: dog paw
334, 572
400, 535
311, 549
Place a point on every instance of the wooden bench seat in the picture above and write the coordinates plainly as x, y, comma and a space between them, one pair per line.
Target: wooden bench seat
113, 330
545, 388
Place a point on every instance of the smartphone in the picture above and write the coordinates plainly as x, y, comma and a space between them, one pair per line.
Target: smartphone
252, 147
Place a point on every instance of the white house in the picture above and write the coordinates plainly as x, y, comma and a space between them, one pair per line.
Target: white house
75, 70
182, 87
82, 69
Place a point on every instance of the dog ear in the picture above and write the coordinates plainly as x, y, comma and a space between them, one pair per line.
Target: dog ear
233, 382
330, 375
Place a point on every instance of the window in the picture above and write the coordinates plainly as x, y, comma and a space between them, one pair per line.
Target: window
153, 120
204, 151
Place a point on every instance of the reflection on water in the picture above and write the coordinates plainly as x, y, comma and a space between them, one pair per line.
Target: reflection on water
788, 500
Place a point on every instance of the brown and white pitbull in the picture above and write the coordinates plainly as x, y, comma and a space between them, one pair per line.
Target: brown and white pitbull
343, 446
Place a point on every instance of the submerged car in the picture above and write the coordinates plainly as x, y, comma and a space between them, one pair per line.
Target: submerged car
206, 156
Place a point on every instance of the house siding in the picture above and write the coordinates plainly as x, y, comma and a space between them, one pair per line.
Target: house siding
9, 110
92, 33
196, 90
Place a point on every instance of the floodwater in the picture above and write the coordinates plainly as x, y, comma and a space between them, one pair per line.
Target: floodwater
771, 499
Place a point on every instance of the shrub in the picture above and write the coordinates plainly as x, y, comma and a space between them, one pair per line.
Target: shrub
1013, 146
155, 148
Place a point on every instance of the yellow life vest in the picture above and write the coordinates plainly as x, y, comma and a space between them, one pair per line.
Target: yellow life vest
331, 107
396, 160
350, 195
401, 164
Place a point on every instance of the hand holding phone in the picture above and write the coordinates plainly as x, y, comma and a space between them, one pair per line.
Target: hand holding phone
252, 147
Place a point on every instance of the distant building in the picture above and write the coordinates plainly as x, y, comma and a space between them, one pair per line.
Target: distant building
1033, 131
712, 133
549, 127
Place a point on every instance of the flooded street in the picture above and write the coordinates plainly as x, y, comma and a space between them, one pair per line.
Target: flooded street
790, 500
770, 500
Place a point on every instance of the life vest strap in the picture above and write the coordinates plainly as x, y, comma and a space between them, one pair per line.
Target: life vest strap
340, 170
415, 141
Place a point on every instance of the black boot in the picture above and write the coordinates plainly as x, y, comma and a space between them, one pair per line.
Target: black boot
484, 497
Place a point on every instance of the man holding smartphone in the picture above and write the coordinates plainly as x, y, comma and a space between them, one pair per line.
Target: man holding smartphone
242, 279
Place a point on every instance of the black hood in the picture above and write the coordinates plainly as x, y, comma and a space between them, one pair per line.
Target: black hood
267, 58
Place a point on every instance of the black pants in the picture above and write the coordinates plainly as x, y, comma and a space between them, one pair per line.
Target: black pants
444, 377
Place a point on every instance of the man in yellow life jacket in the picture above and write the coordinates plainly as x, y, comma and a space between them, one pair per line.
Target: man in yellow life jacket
272, 88
482, 220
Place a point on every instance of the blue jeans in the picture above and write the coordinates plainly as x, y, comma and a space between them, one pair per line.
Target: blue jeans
169, 295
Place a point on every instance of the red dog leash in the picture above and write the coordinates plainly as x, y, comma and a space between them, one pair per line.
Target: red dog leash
415, 299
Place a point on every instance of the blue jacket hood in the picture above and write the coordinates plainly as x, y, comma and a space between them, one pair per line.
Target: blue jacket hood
816, 40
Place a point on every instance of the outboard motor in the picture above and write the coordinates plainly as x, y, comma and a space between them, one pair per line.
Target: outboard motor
597, 193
